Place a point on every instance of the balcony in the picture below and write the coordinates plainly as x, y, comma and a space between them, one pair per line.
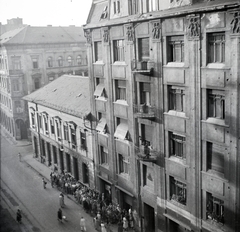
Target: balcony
143, 67
145, 153
144, 111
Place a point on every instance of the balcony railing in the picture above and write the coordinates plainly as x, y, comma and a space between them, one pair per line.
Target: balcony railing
145, 153
143, 67
144, 111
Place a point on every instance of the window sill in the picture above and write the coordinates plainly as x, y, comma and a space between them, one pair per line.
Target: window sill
120, 63
216, 174
178, 159
121, 102
215, 121
175, 64
101, 99
106, 166
216, 66
176, 113
124, 175
98, 62
178, 204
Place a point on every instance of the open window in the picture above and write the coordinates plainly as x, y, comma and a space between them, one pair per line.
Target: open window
122, 129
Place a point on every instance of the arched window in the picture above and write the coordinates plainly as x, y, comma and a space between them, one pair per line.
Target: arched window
50, 62
79, 60
70, 61
60, 61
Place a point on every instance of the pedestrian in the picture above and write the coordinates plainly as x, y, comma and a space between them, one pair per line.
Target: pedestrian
61, 200
125, 224
83, 224
59, 214
19, 216
19, 156
44, 183
103, 228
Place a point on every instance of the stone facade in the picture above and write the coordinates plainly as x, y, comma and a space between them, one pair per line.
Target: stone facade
165, 94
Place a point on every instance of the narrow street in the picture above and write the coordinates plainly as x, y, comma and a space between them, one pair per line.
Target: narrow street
22, 186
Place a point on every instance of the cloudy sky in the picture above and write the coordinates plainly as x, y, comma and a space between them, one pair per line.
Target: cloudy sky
46, 12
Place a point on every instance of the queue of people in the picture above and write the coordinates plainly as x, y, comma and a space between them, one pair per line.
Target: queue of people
96, 204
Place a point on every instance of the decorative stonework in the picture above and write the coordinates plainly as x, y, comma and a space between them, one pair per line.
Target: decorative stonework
156, 30
130, 32
105, 35
88, 35
193, 28
235, 23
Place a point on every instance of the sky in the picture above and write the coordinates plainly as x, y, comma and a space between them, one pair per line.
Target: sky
46, 12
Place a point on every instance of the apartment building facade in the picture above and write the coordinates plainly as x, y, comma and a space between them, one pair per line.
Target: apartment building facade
31, 57
164, 90
60, 134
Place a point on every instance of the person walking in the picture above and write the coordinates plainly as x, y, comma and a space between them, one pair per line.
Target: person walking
44, 183
59, 215
125, 224
83, 224
19, 156
19, 216
61, 200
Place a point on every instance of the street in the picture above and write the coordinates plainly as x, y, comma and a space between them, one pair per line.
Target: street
22, 186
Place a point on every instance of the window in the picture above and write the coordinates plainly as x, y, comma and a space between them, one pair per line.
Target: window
121, 131
15, 85
40, 121
150, 5
46, 123
178, 191
98, 51
33, 119
70, 61
65, 129
176, 98
18, 106
83, 140
103, 155
216, 48
132, 7
144, 51
118, 50
79, 60
50, 62
35, 62
215, 158
58, 124
73, 136
177, 146
121, 90
60, 61
144, 93
52, 127
123, 164
116, 6
146, 135
102, 125
216, 104
36, 83
16, 63
215, 209
176, 49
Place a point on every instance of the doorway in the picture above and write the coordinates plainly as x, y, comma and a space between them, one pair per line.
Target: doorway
149, 218
75, 168
68, 163
85, 173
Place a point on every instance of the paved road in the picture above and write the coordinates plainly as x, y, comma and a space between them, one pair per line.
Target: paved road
22, 187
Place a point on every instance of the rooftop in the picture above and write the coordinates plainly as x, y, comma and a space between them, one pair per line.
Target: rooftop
68, 94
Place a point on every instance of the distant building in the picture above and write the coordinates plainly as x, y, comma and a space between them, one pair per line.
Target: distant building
30, 58
60, 134
165, 91
12, 24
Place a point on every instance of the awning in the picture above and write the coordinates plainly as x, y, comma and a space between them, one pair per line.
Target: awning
177, 221
121, 131
125, 191
99, 90
101, 125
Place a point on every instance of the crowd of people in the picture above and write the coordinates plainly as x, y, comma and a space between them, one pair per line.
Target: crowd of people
98, 205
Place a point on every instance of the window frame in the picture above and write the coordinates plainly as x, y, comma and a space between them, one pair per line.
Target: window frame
118, 50
216, 109
177, 98
176, 187
121, 90
173, 44
60, 61
177, 145
98, 51
123, 164
103, 156
50, 62
79, 60
35, 63
217, 44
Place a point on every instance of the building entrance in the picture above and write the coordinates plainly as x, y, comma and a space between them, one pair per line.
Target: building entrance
68, 163
35, 147
149, 218
49, 154
75, 168
61, 160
